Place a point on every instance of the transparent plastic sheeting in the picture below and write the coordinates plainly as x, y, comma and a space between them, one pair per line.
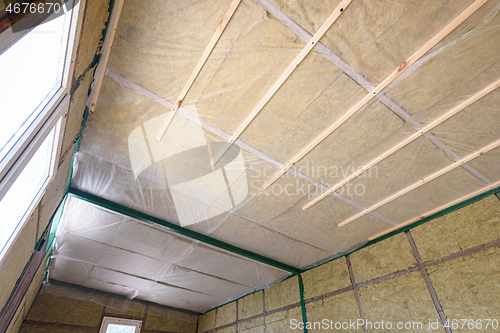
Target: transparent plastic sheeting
174, 180
114, 305
120, 160
107, 251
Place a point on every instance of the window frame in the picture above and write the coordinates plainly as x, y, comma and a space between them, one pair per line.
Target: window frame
52, 116
106, 320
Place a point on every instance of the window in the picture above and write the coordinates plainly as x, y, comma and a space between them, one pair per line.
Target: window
32, 72
34, 97
119, 325
22, 194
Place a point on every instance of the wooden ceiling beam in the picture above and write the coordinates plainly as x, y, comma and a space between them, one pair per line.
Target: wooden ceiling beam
298, 59
381, 86
423, 181
106, 50
438, 209
406, 141
204, 56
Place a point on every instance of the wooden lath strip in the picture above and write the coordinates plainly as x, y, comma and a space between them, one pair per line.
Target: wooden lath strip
381, 86
422, 181
438, 209
298, 59
212, 129
204, 56
403, 143
106, 50
363, 82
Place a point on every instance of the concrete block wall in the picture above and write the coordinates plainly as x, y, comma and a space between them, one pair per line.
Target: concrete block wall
445, 269
17, 258
62, 308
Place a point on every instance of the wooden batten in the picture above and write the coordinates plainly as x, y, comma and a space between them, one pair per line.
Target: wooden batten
106, 50
298, 59
438, 209
199, 65
381, 86
423, 181
406, 141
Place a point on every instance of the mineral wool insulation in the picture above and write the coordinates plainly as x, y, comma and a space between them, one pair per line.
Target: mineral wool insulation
151, 59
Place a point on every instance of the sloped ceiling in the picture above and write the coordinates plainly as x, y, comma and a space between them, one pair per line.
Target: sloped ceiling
156, 47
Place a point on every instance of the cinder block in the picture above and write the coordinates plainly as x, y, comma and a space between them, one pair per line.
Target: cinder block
250, 305
388, 256
282, 294
325, 278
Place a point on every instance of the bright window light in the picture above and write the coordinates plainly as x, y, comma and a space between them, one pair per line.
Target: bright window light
119, 325
21, 195
33, 96
31, 71
115, 328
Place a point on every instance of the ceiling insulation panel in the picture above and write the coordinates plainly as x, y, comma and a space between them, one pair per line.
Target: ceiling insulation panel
375, 38
104, 250
156, 47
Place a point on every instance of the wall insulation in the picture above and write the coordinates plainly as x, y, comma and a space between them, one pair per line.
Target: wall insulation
461, 255
272, 308
172, 179
64, 308
101, 249
17, 258
421, 275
